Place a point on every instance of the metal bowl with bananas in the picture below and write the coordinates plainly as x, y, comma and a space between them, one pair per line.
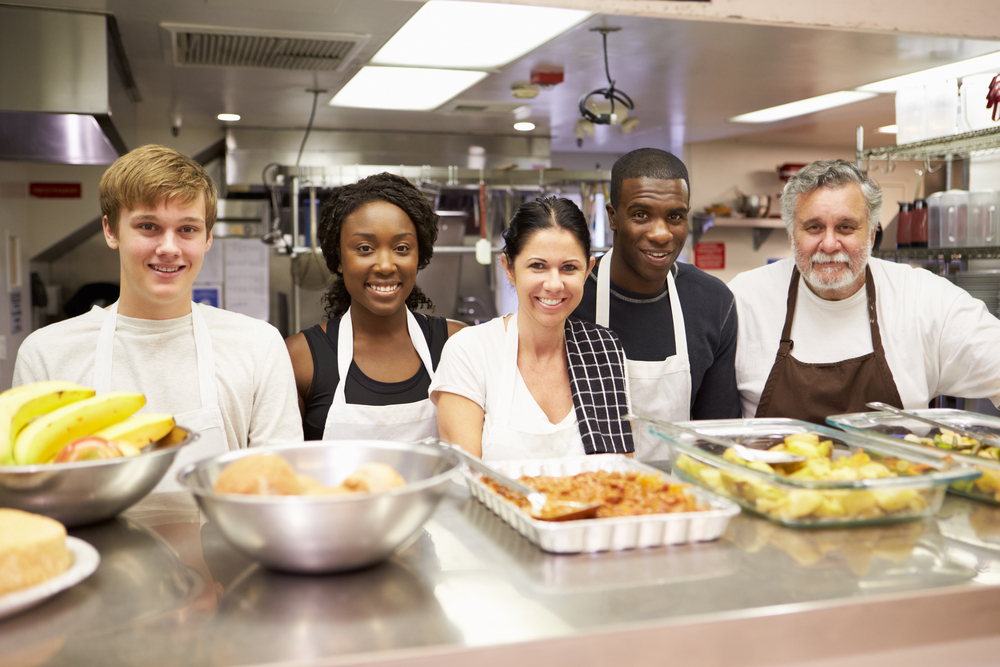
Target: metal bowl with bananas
78, 457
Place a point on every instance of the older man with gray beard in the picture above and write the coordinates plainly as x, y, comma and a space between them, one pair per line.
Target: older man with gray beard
833, 329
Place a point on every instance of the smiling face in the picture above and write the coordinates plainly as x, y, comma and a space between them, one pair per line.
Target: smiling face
831, 241
161, 251
548, 275
378, 257
650, 226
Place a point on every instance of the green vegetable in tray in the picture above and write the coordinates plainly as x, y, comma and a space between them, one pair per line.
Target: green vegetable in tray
989, 482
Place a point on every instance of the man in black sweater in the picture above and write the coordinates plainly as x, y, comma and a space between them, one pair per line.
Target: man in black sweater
676, 322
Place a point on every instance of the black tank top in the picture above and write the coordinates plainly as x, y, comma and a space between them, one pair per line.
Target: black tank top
361, 389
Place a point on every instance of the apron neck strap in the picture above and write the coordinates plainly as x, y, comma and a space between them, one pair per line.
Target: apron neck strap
508, 374
105, 351
603, 306
345, 350
206, 358
786, 344
104, 360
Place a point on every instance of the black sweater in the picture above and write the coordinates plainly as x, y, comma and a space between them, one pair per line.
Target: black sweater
644, 325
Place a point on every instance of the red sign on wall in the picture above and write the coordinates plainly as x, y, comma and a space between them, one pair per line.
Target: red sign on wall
710, 256
55, 190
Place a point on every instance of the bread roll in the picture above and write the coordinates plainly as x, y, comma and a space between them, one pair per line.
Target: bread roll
32, 550
373, 478
309, 486
264, 474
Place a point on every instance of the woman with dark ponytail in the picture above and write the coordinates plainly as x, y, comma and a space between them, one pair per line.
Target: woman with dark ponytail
374, 351
537, 383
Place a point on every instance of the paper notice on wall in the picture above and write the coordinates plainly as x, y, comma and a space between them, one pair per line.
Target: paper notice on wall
246, 277
213, 267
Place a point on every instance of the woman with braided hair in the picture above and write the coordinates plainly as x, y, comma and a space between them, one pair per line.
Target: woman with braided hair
374, 351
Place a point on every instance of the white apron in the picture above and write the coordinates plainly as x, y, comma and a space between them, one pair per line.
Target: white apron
506, 442
206, 421
659, 389
407, 422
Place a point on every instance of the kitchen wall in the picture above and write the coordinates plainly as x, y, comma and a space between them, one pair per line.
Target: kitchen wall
721, 170
14, 228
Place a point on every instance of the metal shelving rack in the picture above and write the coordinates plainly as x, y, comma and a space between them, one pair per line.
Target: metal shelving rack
958, 146
940, 254
969, 144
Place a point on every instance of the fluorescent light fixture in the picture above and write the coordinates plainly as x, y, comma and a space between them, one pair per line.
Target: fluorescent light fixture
978, 65
887, 129
803, 107
524, 127
403, 88
229, 117
474, 35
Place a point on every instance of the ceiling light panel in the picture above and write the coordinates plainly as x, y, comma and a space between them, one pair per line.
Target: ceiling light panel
403, 88
979, 65
474, 35
803, 107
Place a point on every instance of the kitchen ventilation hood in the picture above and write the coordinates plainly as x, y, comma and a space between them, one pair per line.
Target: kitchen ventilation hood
63, 73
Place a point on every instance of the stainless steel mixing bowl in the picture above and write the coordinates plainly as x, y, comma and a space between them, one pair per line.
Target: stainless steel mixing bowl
327, 533
753, 206
89, 491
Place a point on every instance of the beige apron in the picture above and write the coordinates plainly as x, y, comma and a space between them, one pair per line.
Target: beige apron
407, 422
658, 389
206, 421
504, 440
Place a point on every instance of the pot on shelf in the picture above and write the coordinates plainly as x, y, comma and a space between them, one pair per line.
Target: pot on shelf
753, 206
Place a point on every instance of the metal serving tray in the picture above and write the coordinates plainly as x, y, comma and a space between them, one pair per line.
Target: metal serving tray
605, 534
890, 428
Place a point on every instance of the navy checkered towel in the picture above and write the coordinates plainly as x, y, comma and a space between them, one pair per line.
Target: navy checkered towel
597, 377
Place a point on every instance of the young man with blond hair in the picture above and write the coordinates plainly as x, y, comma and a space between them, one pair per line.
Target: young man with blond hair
222, 374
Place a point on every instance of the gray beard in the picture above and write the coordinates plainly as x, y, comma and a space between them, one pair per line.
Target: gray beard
815, 279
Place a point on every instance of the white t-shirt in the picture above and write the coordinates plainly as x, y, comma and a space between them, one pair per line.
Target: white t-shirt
157, 358
937, 338
472, 365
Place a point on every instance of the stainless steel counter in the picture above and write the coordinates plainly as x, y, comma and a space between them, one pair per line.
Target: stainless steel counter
469, 590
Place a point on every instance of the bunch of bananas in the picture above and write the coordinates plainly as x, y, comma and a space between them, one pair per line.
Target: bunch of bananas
62, 421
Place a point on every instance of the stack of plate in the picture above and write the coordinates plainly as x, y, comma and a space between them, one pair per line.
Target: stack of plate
983, 285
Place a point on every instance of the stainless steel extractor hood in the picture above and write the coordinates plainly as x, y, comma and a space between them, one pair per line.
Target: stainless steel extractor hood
66, 93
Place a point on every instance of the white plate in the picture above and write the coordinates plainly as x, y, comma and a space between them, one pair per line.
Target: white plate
85, 561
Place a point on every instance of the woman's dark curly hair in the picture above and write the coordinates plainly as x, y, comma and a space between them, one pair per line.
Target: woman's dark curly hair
386, 187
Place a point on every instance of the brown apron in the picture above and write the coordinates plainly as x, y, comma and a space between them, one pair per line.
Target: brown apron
811, 392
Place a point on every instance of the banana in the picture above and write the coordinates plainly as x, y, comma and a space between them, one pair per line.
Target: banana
138, 430
42, 439
20, 405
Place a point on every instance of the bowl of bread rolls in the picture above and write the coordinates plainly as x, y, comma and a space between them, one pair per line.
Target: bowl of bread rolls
322, 506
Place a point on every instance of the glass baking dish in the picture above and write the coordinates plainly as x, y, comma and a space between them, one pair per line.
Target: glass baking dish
893, 428
811, 502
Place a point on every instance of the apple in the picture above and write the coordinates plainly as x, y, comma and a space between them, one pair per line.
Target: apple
87, 449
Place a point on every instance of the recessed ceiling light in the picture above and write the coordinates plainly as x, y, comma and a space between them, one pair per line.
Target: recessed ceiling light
887, 129
803, 107
403, 88
229, 117
474, 35
978, 65
524, 127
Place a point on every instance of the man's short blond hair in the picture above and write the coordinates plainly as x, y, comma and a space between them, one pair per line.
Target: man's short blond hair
151, 175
